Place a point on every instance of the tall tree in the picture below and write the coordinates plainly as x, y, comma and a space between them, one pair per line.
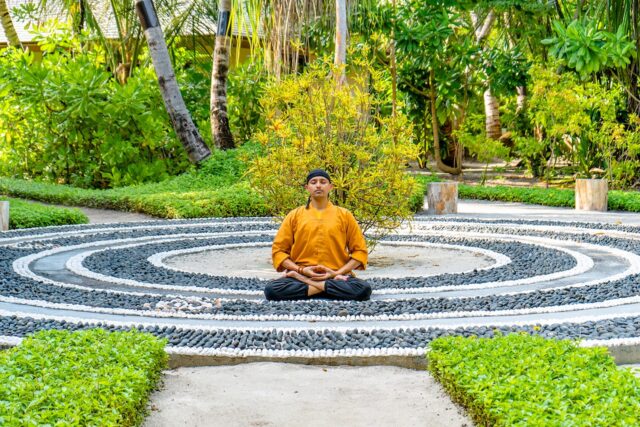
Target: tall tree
342, 33
185, 129
482, 29
220, 130
7, 25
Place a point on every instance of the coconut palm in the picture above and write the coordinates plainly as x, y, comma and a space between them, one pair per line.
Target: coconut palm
7, 25
181, 120
220, 129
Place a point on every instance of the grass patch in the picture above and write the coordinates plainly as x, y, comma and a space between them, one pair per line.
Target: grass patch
85, 378
523, 380
217, 189
23, 214
618, 200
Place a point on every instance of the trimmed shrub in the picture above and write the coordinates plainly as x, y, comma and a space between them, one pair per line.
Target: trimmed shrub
86, 378
24, 214
312, 122
522, 380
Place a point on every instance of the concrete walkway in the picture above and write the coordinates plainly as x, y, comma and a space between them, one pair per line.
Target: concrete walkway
277, 394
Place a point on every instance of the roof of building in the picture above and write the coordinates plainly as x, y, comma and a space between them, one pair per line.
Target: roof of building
194, 18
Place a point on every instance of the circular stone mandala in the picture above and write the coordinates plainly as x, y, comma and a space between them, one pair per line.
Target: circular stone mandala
199, 284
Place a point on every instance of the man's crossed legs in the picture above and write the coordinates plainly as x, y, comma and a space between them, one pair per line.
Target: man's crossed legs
295, 286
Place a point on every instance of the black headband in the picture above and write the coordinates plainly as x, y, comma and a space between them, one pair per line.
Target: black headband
317, 172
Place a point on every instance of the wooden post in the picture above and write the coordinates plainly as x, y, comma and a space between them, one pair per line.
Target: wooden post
442, 198
591, 194
4, 216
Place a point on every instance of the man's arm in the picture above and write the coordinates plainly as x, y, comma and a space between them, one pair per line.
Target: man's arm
282, 243
356, 243
351, 265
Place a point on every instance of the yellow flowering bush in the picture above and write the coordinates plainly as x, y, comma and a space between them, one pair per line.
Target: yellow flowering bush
312, 122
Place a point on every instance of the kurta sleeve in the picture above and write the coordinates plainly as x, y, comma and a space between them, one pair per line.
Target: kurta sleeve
356, 243
282, 243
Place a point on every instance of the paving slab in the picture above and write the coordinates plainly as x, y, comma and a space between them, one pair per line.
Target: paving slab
278, 394
508, 210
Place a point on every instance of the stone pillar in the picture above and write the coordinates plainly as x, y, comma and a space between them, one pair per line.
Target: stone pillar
442, 198
4, 216
591, 194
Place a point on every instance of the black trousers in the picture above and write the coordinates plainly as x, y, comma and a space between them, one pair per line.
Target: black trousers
288, 288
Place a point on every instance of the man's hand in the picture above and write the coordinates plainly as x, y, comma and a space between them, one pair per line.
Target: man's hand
314, 272
325, 273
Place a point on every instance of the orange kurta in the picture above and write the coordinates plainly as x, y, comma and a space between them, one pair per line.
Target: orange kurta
311, 237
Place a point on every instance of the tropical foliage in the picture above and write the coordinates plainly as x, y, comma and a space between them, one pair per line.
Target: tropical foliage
64, 118
91, 377
522, 380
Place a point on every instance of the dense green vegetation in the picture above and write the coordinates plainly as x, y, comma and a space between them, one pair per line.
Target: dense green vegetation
79, 378
522, 380
216, 189
23, 214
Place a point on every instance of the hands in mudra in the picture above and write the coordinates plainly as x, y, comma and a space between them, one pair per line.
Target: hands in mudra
318, 273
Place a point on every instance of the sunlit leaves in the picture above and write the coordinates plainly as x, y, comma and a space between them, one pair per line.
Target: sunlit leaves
79, 378
521, 380
588, 49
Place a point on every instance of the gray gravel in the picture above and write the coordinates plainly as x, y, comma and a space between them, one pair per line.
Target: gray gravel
14, 285
275, 339
527, 260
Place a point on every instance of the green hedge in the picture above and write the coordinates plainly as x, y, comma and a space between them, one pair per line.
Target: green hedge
217, 189
523, 380
89, 378
24, 214
182, 197
618, 200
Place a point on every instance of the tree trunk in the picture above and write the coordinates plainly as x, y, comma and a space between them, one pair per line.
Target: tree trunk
7, 25
393, 68
220, 130
492, 116
181, 120
340, 58
491, 111
521, 100
457, 170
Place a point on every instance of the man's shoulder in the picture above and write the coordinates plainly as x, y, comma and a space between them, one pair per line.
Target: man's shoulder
293, 213
343, 211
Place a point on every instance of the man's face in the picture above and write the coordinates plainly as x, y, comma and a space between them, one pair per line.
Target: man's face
319, 187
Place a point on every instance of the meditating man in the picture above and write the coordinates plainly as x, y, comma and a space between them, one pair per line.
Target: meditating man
318, 246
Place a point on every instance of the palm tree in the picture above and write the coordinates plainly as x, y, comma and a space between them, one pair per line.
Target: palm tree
181, 120
482, 29
220, 129
7, 25
340, 56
